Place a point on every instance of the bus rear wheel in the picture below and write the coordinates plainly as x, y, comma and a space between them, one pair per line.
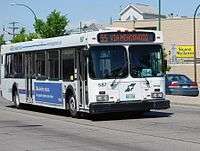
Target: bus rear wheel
73, 106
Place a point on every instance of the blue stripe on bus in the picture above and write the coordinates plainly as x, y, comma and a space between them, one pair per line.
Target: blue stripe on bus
23, 91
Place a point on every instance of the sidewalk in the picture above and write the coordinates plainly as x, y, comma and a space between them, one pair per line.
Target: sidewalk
184, 100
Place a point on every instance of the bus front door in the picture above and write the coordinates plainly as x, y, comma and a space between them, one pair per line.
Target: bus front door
82, 63
28, 77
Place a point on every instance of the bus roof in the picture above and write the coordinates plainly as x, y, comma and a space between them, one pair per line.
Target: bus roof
73, 40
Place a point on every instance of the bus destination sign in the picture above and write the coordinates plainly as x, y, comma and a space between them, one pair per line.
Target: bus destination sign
125, 37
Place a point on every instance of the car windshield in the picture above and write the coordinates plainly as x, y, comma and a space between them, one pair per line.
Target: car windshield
145, 60
107, 62
178, 78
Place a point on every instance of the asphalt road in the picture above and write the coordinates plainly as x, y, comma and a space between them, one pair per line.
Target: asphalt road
33, 129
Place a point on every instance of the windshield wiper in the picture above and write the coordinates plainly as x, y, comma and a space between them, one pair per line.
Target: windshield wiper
119, 74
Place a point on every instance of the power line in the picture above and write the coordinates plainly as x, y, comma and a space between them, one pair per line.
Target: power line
14, 28
5, 31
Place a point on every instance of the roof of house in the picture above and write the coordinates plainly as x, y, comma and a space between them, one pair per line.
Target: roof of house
141, 8
95, 27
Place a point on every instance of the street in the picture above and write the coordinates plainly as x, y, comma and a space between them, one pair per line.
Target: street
32, 129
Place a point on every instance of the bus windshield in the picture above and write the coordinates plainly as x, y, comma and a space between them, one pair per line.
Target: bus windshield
145, 60
108, 62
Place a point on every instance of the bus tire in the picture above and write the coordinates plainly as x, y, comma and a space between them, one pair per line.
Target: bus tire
73, 106
17, 102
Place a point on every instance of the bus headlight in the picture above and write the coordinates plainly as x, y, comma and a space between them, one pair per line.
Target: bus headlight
102, 98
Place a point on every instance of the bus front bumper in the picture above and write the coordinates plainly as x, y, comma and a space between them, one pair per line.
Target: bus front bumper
98, 108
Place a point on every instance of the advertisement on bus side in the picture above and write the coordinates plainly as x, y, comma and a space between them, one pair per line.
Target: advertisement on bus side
48, 93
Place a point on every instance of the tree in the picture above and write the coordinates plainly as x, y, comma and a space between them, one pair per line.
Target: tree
2, 41
53, 27
23, 36
32, 36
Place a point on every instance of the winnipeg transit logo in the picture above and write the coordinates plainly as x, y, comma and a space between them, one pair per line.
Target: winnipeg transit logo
130, 87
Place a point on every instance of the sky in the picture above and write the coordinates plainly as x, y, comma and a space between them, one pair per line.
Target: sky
86, 11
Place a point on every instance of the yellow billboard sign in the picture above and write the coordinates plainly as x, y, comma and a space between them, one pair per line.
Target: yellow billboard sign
185, 51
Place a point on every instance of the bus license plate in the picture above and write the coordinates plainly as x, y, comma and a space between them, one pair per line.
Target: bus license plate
130, 96
157, 95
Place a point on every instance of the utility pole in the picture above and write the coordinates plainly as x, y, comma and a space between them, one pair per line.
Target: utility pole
159, 16
80, 27
195, 43
13, 28
111, 20
4, 30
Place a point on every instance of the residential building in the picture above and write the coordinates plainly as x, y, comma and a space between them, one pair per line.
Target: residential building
138, 12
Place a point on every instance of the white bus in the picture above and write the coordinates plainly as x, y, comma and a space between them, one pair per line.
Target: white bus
93, 72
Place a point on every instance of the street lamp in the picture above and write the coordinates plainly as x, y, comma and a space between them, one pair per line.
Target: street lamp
159, 15
195, 47
20, 4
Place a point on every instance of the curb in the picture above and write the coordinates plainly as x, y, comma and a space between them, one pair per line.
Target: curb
185, 104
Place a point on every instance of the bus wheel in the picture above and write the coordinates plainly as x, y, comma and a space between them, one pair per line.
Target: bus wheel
73, 106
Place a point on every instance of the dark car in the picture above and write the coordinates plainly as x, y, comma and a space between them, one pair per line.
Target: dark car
179, 84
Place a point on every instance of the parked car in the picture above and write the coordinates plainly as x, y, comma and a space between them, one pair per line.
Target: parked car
179, 84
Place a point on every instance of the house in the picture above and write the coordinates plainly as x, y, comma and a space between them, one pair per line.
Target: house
138, 11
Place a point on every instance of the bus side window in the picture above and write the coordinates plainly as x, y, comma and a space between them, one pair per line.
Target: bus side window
53, 64
14, 66
8, 66
40, 65
67, 64
19, 70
